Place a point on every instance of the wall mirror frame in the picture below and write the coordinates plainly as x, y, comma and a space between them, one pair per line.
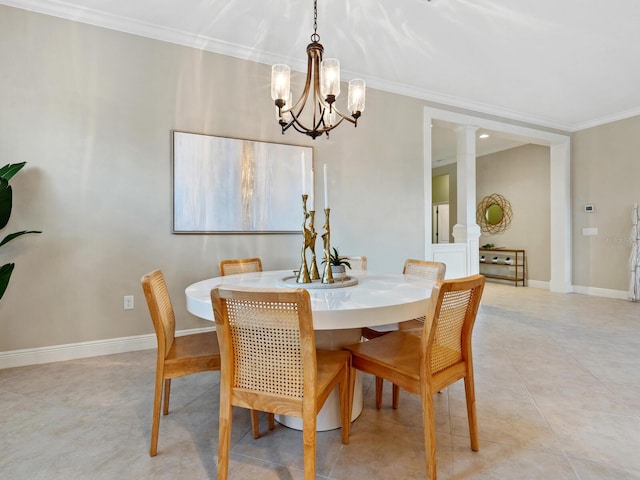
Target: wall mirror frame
493, 214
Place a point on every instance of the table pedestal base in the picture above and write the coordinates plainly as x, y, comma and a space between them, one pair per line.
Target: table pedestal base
329, 416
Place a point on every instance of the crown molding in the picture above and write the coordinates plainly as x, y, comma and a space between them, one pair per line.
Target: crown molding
608, 119
89, 16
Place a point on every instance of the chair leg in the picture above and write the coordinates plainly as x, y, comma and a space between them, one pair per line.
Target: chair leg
428, 422
345, 406
271, 420
352, 387
255, 424
396, 396
155, 422
469, 390
309, 444
167, 395
224, 434
379, 393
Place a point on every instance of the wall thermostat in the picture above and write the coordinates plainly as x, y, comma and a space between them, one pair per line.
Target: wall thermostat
588, 208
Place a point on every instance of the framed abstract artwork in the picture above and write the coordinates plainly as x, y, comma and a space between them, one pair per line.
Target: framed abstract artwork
231, 185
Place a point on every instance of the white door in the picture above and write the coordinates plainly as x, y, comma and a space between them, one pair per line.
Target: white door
440, 223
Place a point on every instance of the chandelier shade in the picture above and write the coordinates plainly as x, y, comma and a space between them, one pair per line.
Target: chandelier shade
321, 90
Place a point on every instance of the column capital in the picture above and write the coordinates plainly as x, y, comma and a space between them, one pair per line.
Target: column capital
465, 128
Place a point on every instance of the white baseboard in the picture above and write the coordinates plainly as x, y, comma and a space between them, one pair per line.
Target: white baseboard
602, 292
538, 284
71, 351
594, 291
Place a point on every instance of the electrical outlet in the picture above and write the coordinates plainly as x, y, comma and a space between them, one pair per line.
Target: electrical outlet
128, 302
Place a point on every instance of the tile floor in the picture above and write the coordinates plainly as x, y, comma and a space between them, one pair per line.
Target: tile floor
558, 394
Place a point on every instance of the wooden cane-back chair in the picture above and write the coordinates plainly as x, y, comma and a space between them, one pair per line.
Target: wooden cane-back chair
240, 265
425, 361
177, 356
357, 262
270, 363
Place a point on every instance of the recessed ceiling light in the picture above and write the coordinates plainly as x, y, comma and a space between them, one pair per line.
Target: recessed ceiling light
484, 135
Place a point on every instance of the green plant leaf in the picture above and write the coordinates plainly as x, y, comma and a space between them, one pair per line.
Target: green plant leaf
335, 260
5, 274
10, 237
10, 169
6, 202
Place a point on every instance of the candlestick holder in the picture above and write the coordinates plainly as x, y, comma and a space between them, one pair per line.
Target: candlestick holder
327, 274
303, 273
313, 269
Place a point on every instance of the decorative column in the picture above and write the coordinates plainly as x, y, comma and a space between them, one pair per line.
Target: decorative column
467, 230
560, 217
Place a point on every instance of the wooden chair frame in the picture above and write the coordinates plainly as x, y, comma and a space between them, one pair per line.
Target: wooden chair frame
240, 265
242, 312
177, 356
357, 262
425, 361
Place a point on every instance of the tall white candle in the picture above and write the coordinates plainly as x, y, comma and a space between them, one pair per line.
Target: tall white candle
304, 175
326, 189
312, 194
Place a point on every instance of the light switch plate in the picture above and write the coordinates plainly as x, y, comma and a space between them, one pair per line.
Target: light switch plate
590, 231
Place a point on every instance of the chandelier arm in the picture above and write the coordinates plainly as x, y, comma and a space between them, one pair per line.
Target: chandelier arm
299, 127
315, 54
296, 124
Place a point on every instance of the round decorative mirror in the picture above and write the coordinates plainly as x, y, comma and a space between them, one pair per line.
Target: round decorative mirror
494, 214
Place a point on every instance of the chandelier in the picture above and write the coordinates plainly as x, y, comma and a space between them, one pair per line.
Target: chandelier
323, 85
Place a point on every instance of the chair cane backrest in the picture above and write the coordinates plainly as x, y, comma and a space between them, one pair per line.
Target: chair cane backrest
453, 308
266, 337
358, 263
161, 310
240, 265
432, 271
426, 269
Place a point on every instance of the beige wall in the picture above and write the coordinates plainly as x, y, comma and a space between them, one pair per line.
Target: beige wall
521, 175
91, 111
606, 173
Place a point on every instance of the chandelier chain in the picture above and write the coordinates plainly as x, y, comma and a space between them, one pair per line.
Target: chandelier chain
315, 37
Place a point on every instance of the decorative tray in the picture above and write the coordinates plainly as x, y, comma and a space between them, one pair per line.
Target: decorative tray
317, 284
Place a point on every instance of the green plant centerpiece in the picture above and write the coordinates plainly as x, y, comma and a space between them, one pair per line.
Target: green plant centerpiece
6, 203
338, 263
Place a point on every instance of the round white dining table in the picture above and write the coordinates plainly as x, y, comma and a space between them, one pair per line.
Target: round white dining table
338, 314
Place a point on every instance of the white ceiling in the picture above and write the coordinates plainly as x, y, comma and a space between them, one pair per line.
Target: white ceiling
561, 64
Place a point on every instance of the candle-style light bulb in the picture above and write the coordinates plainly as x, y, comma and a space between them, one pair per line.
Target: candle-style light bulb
280, 83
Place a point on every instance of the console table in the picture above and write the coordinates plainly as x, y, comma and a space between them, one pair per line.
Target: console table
503, 264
